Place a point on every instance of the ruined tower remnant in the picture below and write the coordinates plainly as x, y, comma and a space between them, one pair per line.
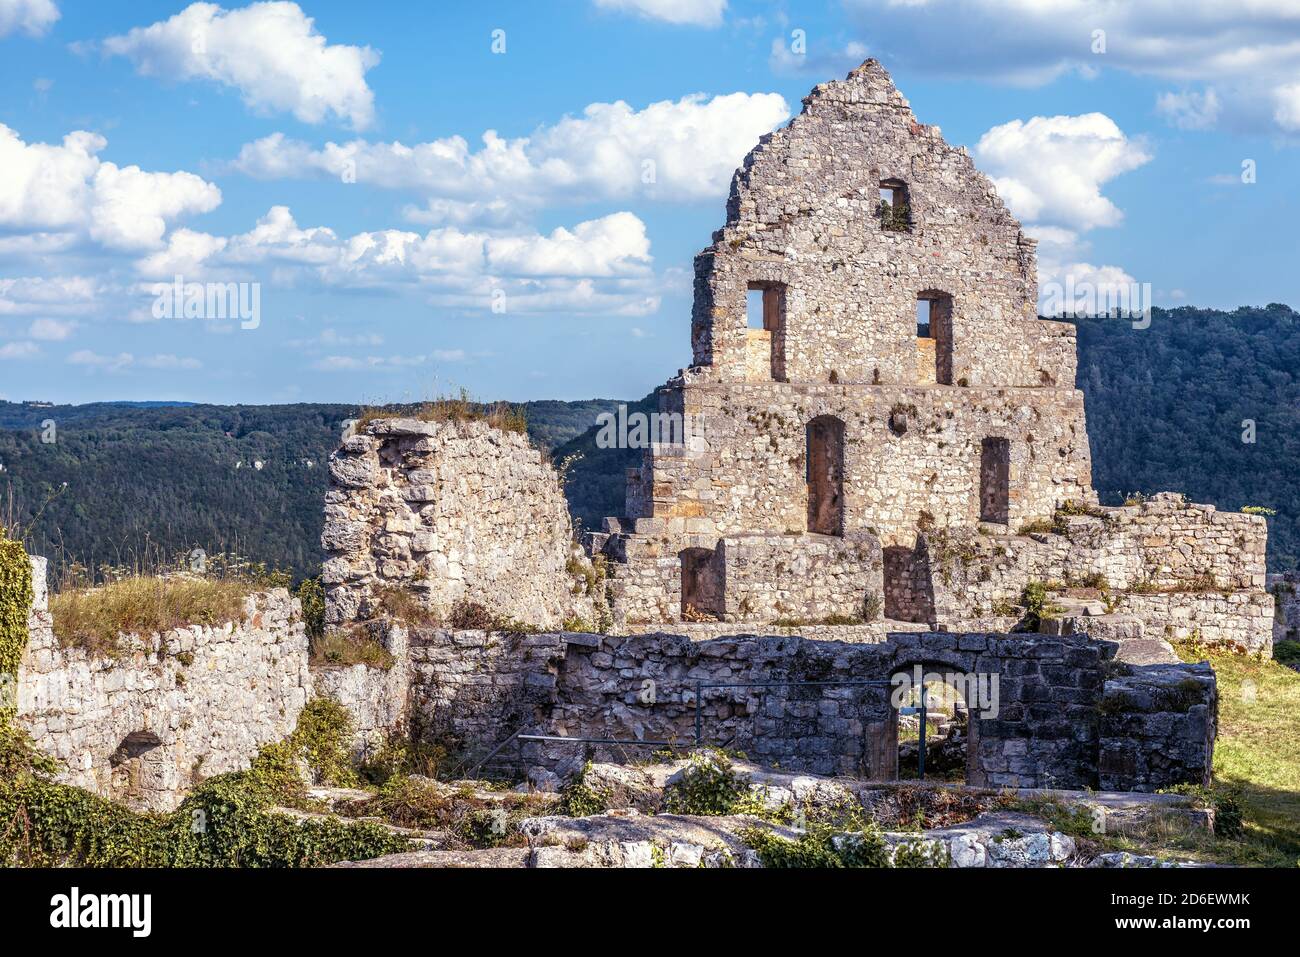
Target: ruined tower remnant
869, 372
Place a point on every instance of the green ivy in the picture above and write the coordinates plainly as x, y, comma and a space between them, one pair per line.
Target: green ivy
15, 605
228, 821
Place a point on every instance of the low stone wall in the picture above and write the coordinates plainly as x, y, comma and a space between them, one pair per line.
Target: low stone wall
378, 698
743, 578
868, 634
819, 706
1158, 727
1238, 620
449, 511
1285, 589
171, 708
471, 690
1176, 566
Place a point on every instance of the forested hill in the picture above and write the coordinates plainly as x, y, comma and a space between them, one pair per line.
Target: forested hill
1165, 407
149, 482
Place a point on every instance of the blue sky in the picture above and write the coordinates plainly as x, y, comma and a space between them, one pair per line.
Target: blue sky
334, 155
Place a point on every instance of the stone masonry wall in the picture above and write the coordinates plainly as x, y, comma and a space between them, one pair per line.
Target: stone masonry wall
1158, 728
450, 511
1286, 599
475, 689
1179, 567
907, 451
750, 578
803, 213
172, 708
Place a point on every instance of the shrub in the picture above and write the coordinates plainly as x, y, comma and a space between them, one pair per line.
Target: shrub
1036, 603
708, 785
579, 799
324, 740
820, 847
399, 756
472, 616
311, 595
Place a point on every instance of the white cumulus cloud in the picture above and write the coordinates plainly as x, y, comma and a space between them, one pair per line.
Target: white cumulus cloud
598, 265
1050, 169
32, 17
66, 187
1249, 50
679, 151
699, 13
270, 52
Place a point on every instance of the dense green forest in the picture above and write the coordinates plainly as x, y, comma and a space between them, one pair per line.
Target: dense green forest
1166, 407
145, 483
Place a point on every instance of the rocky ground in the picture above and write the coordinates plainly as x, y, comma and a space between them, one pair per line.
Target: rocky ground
709, 810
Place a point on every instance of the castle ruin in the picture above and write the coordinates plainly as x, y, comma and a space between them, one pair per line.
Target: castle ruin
873, 396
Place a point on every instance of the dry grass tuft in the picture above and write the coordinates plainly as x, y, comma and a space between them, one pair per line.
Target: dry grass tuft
95, 618
458, 408
350, 647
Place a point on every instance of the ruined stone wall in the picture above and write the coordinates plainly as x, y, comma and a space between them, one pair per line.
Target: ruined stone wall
377, 698
1158, 728
470, 690
804, 214
1286, 603
1048, 731
746, 578
144, 726
907, 452
451, 512
1184, 570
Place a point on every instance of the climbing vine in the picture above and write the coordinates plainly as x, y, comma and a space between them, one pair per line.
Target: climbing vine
15, 603
230, 820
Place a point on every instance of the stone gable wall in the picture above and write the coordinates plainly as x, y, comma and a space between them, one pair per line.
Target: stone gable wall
172, 708
451, 512
803, 212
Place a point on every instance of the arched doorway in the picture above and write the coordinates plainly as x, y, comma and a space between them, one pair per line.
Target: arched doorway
936, 731
825, 475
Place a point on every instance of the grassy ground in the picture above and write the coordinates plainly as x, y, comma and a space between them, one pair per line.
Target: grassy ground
1258, 749
1257, 757
93, 618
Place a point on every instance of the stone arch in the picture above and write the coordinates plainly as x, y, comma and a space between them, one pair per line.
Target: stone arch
951, 715
824, 458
